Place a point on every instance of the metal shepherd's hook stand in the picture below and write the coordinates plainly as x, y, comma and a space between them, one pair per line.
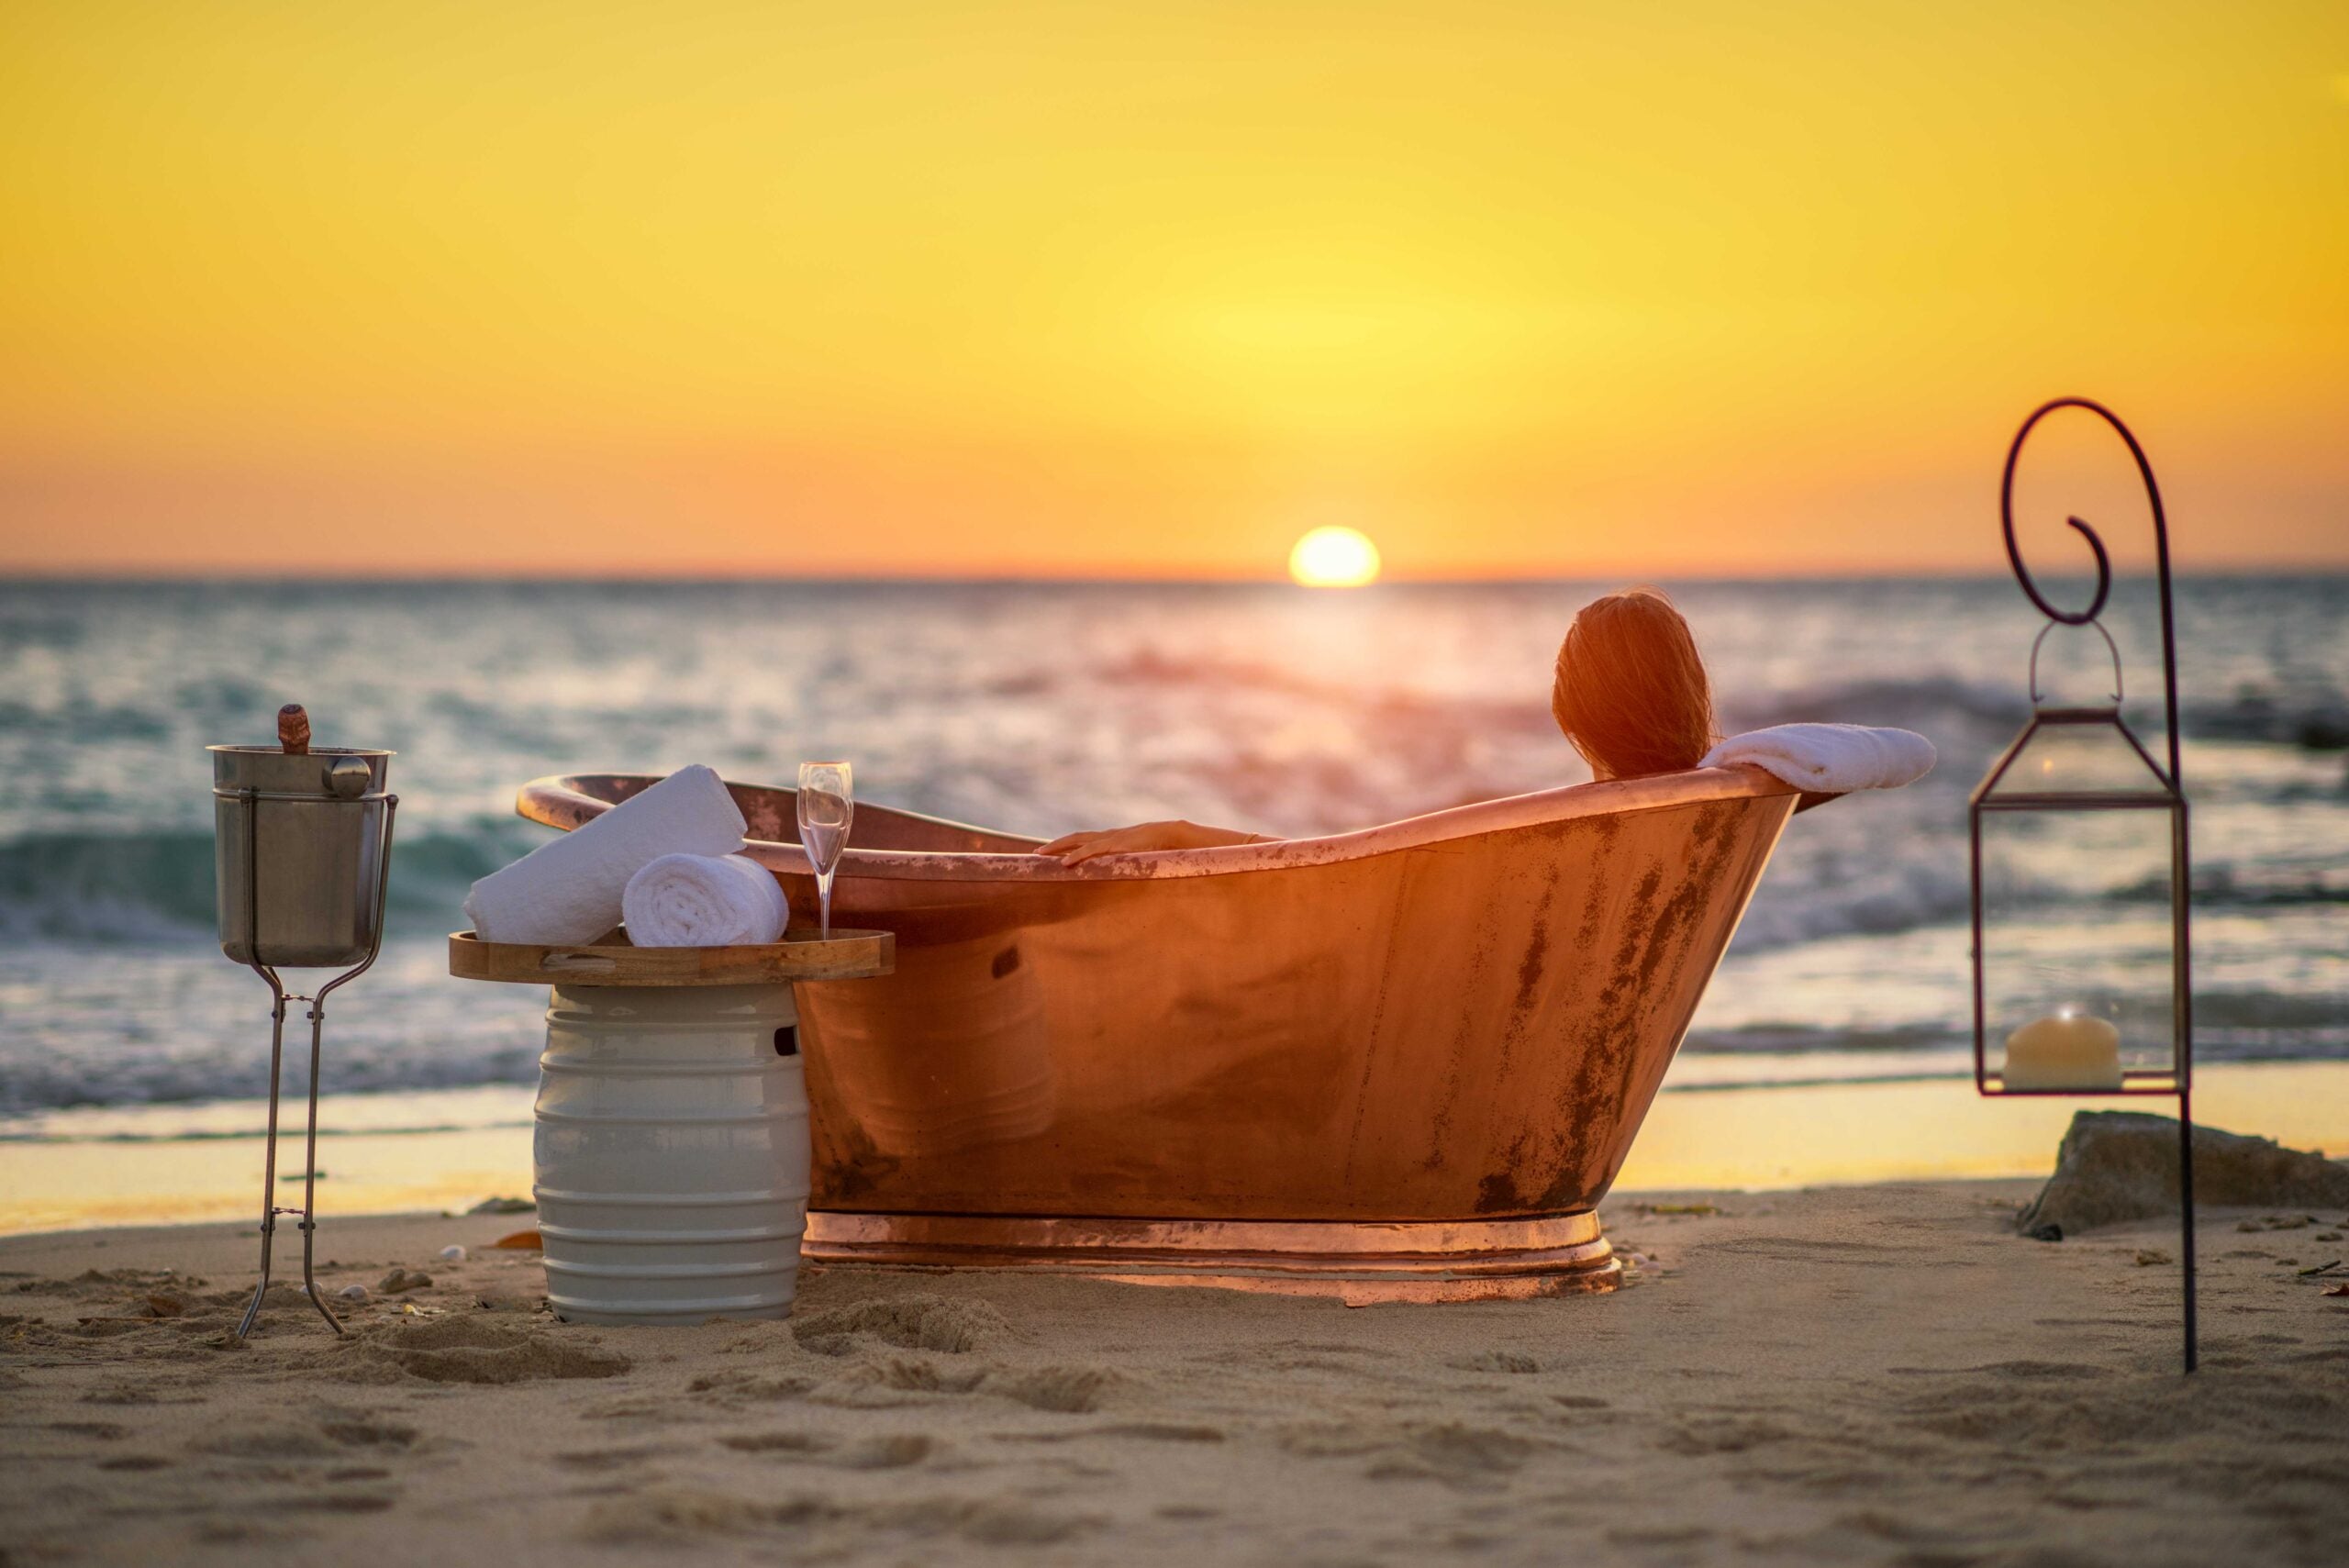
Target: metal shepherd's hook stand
2176, 780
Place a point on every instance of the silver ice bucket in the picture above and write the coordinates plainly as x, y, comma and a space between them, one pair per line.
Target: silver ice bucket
298, 843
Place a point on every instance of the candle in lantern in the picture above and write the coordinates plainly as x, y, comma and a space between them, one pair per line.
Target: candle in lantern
2066, 1050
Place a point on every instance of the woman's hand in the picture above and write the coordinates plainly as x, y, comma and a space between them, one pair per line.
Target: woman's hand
1072, 847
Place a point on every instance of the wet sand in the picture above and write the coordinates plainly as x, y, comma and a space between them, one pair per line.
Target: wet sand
1862, 1375
97, 1167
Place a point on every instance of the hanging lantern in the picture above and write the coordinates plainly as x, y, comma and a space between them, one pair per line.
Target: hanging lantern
2079, 910
2082, 983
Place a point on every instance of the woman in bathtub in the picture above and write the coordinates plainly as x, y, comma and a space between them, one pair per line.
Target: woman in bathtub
1630, 695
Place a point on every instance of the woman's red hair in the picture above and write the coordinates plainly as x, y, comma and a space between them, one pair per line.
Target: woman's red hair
1631, 691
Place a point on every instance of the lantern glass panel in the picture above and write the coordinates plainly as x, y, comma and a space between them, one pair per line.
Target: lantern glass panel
2094, 757
2079, 945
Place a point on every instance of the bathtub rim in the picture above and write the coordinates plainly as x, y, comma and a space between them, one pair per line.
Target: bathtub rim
560, 800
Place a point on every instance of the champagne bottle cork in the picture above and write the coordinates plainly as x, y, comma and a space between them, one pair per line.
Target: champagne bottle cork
294, 730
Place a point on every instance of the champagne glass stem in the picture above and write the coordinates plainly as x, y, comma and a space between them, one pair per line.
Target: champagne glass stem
824, 903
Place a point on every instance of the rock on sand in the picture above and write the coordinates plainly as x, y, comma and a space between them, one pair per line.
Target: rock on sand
2122, 1165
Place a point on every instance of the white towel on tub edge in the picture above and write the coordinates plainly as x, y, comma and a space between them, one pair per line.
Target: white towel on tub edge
1831, 759
569, 889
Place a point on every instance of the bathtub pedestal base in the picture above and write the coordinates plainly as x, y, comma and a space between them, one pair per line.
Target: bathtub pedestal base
1359, 1263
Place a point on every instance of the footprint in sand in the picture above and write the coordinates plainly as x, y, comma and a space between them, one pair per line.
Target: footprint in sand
461, 1349
893, 1452
745, 1387
262, 1438
364, 1432
1187, 1511
1726, 1434
339, 1503
1495, 1361
1330, 1440
301, 1437
886, 1383
597, 1461
1147, 1431
919, 1321
883, 1382
820, 1526
1066, 1390
1460, 1456
783, 1443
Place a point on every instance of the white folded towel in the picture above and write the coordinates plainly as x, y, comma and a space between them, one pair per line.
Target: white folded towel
569, 889
1831, 759
704, 901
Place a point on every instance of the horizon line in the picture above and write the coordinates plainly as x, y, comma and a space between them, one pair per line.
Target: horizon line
10, 577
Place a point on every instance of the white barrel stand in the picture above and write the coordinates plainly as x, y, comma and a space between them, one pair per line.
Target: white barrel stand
671, 1152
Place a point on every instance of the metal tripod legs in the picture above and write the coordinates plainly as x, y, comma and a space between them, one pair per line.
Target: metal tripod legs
269, 1208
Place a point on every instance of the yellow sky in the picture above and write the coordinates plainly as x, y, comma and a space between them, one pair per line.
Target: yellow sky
1081, 288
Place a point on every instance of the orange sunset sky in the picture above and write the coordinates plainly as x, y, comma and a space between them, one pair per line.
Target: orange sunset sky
1105, 289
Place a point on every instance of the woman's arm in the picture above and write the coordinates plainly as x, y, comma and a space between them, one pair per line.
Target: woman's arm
1174, 835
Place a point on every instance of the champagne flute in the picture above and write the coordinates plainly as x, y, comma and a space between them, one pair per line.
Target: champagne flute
826, 805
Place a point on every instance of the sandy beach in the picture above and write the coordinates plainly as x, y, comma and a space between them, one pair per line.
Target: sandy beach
1876, 1374
1362, 634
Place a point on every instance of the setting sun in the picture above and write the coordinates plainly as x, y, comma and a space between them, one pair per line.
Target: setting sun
1334, 558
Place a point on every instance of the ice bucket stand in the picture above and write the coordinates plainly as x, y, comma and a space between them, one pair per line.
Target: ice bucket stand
328, 821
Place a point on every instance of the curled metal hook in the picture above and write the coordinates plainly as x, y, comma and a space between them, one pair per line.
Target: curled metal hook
2103, 560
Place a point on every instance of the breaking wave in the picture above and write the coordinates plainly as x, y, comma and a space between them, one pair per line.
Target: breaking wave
157, 886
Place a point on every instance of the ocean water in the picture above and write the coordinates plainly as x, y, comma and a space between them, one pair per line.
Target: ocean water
1041, 708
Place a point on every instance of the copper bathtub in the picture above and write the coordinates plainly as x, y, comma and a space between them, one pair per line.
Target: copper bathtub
1397, 1064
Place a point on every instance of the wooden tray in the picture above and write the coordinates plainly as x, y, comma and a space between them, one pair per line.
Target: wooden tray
849, 956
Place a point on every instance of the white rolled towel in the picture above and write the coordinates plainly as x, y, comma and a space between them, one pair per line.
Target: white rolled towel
569, 889
1831, 759
704, 901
